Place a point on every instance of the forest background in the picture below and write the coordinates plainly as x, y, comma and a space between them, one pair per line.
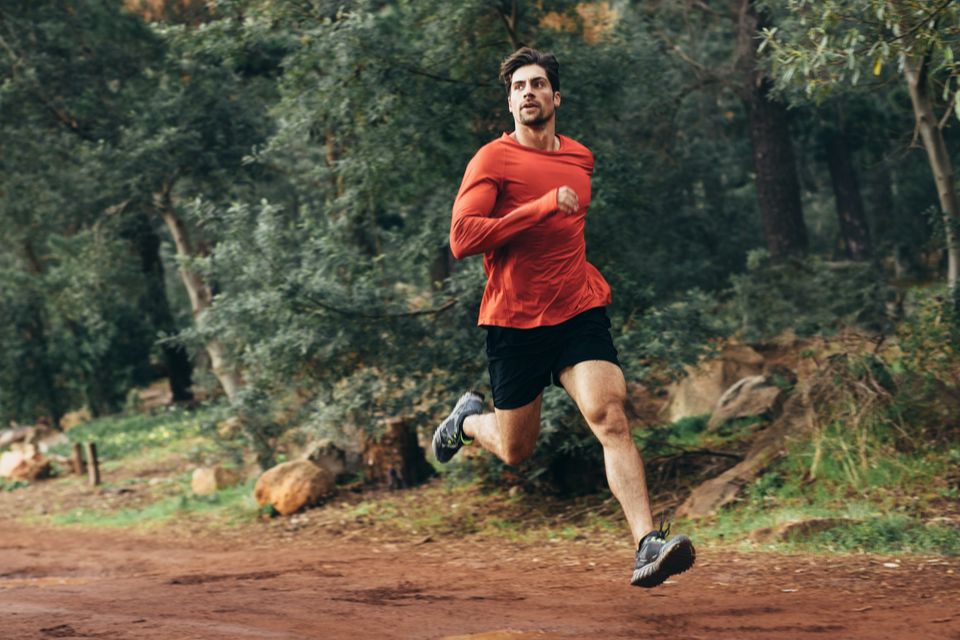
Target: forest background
251, 198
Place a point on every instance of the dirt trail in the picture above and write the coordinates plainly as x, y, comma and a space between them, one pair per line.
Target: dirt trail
74, 583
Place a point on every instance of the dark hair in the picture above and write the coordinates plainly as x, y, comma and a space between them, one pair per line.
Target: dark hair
524, 56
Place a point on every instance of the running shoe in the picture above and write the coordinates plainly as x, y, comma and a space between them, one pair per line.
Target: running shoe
659, 558
448, 438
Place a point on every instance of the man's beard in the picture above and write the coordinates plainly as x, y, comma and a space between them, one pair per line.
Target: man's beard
537, 121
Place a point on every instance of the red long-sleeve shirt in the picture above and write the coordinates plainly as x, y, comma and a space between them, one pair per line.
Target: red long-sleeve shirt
534, 256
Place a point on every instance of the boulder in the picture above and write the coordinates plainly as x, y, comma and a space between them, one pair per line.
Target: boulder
73, 419
41, 435
24, 463
644, 405
290, 486
699, 392
15, 434
751, 396
230, 428
328, 455
208, 480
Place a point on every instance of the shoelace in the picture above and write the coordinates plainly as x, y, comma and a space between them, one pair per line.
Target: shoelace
661, 531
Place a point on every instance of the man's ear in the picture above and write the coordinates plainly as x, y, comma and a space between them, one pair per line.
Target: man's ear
556, 99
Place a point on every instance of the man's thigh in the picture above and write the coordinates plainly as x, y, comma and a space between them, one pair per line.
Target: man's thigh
594, 385
521, 426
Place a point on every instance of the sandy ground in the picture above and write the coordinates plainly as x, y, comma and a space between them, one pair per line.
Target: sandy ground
83, 583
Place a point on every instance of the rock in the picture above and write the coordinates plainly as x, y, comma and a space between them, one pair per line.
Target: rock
229, 428
208, 480
16, 434
769, 445
644, 406
751, 396
9, 460
290, 486
327, 455
24, 463
73, 419
699, 392
39, 434
395, 459
154, 396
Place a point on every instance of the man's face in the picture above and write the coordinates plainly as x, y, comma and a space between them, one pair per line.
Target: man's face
532, 100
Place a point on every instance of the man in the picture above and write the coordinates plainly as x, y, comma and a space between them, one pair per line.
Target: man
523, 205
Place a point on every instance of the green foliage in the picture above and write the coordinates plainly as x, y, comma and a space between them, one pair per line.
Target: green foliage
673, 336
121, 436
828, 43
808, 295
890, 534
74, 333
6, 484
929, 336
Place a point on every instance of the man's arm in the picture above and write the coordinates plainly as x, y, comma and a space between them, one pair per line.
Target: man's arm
472, 230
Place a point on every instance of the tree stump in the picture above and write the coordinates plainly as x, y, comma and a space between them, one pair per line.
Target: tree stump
395, 459
93, 465
76, 459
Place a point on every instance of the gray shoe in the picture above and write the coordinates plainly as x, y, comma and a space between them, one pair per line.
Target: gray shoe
448, 438
659, 558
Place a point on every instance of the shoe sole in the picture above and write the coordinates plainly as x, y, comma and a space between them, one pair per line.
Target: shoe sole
437, 447
677, 556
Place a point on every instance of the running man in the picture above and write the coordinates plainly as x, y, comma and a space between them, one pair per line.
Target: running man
523, 205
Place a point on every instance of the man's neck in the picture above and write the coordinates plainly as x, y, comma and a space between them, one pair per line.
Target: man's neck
543, 138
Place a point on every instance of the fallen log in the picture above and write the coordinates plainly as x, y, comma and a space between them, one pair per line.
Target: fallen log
769, 445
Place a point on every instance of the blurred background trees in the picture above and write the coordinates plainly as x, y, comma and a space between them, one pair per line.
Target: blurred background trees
252, 198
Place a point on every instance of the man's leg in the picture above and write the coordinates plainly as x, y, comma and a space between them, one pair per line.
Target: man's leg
599, 390
509, 434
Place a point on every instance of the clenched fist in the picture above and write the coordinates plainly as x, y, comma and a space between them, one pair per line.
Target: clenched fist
567, 200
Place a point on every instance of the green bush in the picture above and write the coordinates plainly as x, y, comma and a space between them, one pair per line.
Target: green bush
807, 295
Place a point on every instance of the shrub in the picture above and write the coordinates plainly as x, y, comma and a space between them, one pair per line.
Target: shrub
808, 295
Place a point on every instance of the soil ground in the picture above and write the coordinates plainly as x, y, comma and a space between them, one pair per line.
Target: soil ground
263, 582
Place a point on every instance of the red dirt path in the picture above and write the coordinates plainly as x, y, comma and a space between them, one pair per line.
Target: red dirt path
80, 583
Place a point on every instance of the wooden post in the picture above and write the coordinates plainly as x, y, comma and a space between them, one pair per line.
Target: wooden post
93, 467
76, 460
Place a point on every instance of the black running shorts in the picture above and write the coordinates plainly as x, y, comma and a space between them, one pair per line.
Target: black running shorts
522, 362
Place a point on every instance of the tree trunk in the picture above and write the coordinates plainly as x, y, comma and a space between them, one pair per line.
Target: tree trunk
51, 390
201, 297
778, 189
38, 338
846, 193
880, 205
939, 158
176, 360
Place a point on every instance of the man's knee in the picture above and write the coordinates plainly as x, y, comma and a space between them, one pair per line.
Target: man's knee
607, 419
516, 452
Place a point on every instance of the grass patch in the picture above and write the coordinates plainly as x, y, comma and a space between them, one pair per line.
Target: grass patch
141, 435
8, 484
888, 534
233, 505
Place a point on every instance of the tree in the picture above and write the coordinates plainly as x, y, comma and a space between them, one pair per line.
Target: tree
825, 44
778, 189
698, 34
75, 333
